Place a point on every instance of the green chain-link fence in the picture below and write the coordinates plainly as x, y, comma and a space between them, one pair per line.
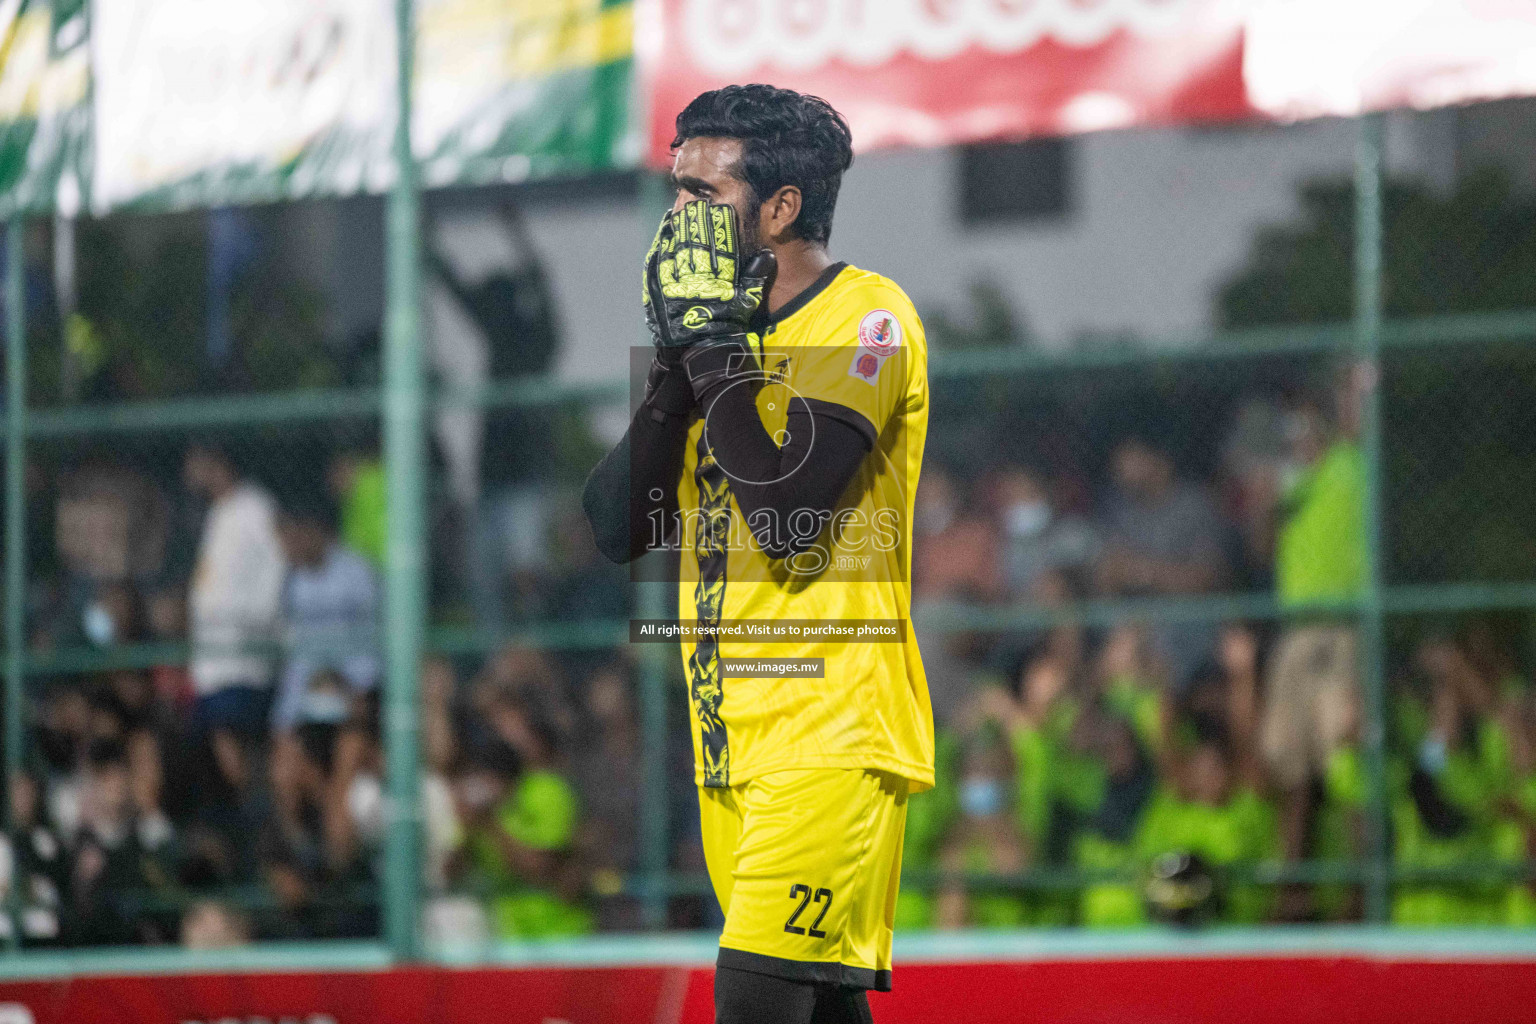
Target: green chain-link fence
1101, 697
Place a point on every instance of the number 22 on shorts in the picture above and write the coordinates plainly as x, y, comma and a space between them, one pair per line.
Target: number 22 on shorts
804, 894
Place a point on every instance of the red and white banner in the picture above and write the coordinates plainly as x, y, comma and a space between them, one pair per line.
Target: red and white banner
1206, 990
1307, 58
933, 72
936, 72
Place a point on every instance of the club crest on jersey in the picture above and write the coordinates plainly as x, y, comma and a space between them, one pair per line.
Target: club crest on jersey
879, 338
866, 366
880, 332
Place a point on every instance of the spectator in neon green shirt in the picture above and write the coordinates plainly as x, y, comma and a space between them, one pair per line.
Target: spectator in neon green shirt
1084, 775
1312, 693
1464, 801
1223, 819
358, 486
1320, 548
1106, 829
519, 837
1213, 801
984, 838
929, 817
1130, 682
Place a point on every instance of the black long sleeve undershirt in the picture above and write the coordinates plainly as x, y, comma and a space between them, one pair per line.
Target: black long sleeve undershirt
620, 498
778, 488
637, 482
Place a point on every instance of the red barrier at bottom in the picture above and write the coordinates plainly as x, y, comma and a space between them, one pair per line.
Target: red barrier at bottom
1254, 990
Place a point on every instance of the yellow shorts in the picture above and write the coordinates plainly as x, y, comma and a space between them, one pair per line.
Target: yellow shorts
806, 865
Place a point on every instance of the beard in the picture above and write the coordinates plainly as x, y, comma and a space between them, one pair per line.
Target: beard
747, 223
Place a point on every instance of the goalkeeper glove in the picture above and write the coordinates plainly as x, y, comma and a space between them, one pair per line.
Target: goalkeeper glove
667, 391
702, 299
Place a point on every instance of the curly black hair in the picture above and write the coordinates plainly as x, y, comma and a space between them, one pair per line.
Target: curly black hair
787, 138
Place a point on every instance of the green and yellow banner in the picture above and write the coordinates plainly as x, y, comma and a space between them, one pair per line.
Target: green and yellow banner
527, 89
44, 105
168, 104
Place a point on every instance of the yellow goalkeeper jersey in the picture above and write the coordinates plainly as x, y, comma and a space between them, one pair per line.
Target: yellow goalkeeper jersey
852, 347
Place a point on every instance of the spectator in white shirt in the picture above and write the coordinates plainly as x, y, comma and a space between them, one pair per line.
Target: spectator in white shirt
330, 646
234, 600
330, 609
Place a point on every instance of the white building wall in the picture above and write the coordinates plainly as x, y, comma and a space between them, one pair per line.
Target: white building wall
1160, 218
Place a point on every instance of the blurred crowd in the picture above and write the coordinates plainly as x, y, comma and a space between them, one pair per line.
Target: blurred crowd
1191, 768
226, 783
233, 789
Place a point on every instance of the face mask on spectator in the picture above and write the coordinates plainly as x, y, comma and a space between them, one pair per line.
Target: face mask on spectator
98, 625
1291, 474
1433, 754
1027, 518
324, 707
981, 796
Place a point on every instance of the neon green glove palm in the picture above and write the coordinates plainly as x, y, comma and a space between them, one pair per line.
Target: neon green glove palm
700, 295
661, 241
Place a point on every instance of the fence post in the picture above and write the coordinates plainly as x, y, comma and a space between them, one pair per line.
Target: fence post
655, 599
404, 462
655, 828
15, 538
1368, 309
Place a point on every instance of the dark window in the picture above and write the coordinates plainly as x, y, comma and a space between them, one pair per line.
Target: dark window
1015, 181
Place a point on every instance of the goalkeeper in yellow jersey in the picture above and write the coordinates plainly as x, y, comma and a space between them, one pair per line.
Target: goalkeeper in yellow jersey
776, 453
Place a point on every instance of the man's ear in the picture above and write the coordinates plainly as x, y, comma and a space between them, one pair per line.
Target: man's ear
780, 212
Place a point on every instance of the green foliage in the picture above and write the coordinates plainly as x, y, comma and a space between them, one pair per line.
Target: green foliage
277, 327
576, 449
140, 332
1460, 469
1468, 251
991, 322
142, 295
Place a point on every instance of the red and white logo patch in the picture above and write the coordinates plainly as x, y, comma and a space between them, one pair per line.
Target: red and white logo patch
880, 332
879, 338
